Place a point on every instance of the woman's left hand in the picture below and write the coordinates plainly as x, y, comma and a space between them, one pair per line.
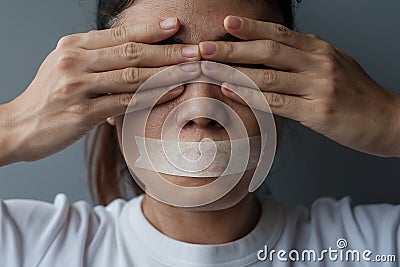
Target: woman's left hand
312, 82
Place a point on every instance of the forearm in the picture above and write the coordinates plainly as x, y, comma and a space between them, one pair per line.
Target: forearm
386, 126
8, 136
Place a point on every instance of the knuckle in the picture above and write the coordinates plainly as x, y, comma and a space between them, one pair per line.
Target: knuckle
271, 47
124, 99
326, 47
119, 33
131, 75
99, 54
252, 26
329, 64
68, 60
169, 51
131, 51
229, 49
313, 35
281, 31
331, 88
90, 35
67, 41
146, 28
276, 100
69, 86
326, 110
269, 78
93, 33
329, 83
81, 109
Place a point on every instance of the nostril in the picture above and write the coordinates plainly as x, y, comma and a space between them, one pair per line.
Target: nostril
203, 123
213, 123
202, 112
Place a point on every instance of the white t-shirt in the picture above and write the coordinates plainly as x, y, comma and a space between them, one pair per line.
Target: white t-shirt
34, 233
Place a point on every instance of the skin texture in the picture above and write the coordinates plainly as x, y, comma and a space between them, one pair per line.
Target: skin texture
91, 76
205, 227
305, 87
86, 79
316, 84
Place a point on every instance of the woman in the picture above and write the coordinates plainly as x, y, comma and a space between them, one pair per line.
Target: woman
91, 77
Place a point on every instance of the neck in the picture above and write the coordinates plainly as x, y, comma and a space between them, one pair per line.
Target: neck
203, 227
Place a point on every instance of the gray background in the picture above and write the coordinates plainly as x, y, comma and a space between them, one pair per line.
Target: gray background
307, 166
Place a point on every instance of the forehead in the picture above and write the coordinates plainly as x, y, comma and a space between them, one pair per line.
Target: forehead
200, 20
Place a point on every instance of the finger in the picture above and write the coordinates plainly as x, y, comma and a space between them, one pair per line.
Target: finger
144, 99
130, 79
144, 32
266, 80
117, 104
280, 82
140, 55
250, 29
266, 52
287, 106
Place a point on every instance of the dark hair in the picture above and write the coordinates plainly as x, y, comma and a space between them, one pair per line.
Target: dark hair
108, 176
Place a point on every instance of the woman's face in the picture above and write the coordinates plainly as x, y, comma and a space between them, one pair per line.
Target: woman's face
201, 20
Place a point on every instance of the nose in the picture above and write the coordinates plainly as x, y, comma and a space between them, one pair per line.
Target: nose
203, 122
202, 107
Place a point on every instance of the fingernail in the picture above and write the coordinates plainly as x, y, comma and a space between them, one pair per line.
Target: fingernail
190, 51
208, 48
233, 23
111, 121
190, 67
169, 24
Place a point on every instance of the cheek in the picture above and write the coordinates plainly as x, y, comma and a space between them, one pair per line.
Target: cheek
247, 117
157, 117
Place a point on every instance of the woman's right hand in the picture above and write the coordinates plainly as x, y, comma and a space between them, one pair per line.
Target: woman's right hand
86, 79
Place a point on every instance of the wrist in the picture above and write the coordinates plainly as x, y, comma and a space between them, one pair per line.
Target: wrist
5, 136
10, 135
